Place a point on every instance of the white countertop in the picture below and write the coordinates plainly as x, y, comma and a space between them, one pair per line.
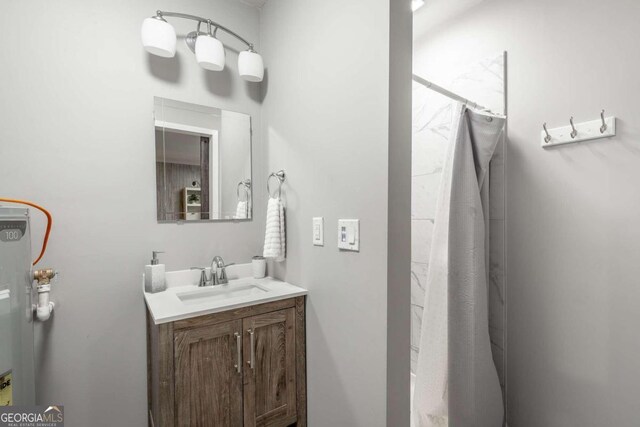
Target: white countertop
175, 304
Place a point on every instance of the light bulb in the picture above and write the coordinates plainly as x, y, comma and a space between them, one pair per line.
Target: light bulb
250, 66
158, 37
210, 52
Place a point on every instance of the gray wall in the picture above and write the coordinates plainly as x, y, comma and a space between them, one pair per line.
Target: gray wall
77, 137
399, 228
326, 123
572, 229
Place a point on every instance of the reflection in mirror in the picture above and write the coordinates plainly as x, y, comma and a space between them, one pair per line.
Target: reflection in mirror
203, 162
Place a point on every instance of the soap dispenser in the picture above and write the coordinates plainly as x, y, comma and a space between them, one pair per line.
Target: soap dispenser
154, 280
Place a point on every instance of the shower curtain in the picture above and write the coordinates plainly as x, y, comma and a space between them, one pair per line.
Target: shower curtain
457, 383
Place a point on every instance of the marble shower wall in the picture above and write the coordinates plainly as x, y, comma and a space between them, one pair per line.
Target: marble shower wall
482, 82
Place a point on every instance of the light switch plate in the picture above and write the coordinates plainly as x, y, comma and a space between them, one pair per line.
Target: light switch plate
318, 231
349, 234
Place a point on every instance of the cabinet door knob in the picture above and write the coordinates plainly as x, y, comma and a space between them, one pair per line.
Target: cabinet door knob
238, 365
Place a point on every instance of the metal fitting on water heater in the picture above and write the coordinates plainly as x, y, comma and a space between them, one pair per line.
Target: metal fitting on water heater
44, 307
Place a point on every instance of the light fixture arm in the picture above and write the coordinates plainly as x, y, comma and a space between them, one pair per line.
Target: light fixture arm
162, 14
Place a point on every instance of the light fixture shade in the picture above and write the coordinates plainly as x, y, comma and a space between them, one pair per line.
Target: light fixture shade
210, 52
159, 37
250, 66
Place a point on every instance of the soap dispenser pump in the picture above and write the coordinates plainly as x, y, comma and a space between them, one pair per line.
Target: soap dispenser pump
154, 280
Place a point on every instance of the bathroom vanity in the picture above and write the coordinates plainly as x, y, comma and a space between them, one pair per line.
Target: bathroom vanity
228, 355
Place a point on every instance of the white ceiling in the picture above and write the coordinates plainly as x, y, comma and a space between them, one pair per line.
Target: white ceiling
254, 3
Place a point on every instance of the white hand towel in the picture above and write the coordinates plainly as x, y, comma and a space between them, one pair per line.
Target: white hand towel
274, 238
242, 210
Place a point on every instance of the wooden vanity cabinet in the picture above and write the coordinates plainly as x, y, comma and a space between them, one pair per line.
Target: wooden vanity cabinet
207, 384
243, 367
270, 382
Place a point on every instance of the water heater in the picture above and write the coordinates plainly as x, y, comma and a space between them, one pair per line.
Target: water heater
17, 299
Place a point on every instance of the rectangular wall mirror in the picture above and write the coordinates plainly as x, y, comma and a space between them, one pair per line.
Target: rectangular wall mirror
203, 162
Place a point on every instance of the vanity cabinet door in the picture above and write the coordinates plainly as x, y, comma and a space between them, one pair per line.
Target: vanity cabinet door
270, 369
208, 380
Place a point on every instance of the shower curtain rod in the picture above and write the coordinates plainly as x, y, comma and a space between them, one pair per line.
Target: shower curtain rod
447, 93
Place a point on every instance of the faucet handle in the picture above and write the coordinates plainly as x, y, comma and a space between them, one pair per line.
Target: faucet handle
203, 276
223, 273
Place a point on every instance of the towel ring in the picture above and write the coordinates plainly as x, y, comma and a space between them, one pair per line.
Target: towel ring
246, 185
280, 176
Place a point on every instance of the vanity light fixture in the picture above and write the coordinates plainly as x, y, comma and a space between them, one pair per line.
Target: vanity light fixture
159, 38
250, 66
209, 51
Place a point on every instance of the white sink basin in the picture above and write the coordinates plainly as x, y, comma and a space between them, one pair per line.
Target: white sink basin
183, 298
220, 293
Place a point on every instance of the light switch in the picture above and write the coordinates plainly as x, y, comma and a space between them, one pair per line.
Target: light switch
318, 231
349, 234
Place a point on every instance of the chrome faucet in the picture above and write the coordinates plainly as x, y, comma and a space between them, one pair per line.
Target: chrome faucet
218, 263
215, 278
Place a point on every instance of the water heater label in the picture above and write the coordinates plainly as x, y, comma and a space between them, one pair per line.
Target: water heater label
6, 393
12, 231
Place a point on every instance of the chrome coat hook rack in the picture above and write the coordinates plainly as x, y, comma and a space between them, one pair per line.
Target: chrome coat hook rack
574, 132
547, 137
604, 127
